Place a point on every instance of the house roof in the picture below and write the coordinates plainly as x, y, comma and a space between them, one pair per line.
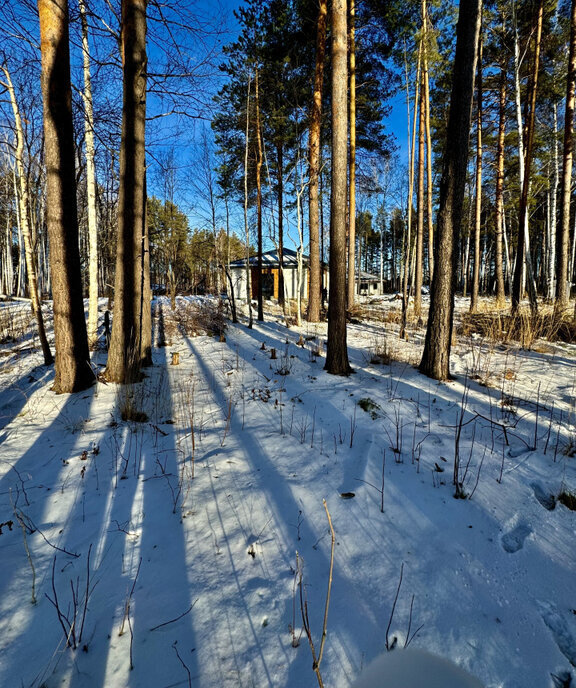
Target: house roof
367, 277
270, 259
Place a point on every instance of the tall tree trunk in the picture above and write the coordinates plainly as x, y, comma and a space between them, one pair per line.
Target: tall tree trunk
21, 250
259, 157
562, 276
246, 225
523, 252
145, 287
73, 371
23, 205
90, 186
478, 200
419, 257
436, 356
337, 350
352, 164
411, 158
126, 353
429, 188
280, 184
553, 214
499, 200
314, 296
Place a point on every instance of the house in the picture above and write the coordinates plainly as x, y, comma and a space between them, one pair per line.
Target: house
270, 275
366, 284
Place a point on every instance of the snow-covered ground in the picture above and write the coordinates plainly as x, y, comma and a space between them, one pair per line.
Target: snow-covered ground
170, 552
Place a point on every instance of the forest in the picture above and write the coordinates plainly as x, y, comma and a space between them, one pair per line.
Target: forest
287, 366
245, 139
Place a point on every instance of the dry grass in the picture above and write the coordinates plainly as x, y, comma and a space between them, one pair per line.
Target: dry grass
202, 317
522, 327
16, 323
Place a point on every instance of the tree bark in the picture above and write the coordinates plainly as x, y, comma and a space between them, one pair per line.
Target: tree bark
337, 351
72, 369
280, 182
352, 165
436, 356
314, 296
127, 344
408, 235
23, 205
499, 200
259, 157
246, 225
478, 200
562, 277
553, 213
90, 186
522, 252
429, 188
419, 257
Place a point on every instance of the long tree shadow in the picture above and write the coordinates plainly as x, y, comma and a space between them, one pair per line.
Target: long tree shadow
35, 480
14, 397
285, 505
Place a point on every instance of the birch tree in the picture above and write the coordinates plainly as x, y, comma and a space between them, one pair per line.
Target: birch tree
23, 205
90, 184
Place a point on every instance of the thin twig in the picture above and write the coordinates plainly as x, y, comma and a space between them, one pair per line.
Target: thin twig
190, 608
394, 606
325, 624
183, 664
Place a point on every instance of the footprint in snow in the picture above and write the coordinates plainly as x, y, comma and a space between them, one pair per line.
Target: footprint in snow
514, 539
562, 634
547, 500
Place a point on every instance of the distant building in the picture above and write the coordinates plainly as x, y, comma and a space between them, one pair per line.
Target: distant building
270, 275
367, 285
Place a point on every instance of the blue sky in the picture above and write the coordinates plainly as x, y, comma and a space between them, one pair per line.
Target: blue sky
222, 17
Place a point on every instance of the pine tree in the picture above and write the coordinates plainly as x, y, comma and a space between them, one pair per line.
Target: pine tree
436, 356
72, 362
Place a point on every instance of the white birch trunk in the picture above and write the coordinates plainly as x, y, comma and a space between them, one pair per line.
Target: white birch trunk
23, 202
90, 186
554, 213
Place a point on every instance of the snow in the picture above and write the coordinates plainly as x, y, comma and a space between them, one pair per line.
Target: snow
178, 543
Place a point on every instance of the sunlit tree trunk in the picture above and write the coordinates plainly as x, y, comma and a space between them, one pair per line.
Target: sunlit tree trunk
429, 188
419, 255
127, 345
478, 199
562, 276
73, 372
411, 157
314, 296
90, 186
337, 350
436, 356
352, 164
523, 252
553, 212
499, 199
259, 158
23, 205
246, 225
280, 184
